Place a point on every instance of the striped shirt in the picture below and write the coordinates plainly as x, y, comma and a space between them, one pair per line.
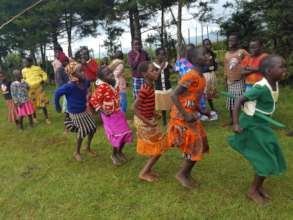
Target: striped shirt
147, 104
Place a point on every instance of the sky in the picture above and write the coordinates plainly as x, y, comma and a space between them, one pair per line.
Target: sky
96, 43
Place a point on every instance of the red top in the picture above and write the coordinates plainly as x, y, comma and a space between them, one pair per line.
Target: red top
105, 98
90, 69
254, 62
147, 105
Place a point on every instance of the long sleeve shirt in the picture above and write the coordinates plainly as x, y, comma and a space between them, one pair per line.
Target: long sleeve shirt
34, 76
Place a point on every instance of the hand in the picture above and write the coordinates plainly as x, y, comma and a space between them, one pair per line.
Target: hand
237, 128
190, 117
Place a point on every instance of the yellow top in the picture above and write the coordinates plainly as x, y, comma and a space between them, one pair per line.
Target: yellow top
34, 76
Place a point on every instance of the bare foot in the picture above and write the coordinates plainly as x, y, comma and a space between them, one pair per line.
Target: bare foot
48, 122
147, 177
77, 157
185, 182
123, 157
256, 197
91, 152
155, 174
115, 160
264, 194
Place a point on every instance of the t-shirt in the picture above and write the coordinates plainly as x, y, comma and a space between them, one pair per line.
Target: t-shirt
232, 64
147, 97
5, 89
254, 62
105, 98
76, 96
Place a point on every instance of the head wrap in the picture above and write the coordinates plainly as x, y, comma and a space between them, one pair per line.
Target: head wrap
62, 57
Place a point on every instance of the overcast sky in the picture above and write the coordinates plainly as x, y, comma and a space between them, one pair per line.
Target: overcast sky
93, 43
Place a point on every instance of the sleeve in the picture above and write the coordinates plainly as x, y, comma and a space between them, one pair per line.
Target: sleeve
97, 98
255, 92
131, 60
176, 66
87, 83
23, 72
13, 93
43, 74
244, 62
58, 93
143, 93
186, 80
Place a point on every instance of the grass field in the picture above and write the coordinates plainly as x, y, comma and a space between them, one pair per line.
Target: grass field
41, 180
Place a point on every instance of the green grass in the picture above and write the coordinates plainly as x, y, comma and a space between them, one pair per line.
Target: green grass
41, 180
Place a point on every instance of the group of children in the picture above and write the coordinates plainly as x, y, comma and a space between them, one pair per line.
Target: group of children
104, 96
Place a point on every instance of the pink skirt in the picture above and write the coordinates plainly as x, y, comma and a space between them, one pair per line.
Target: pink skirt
12, 111
26, 109
117, 129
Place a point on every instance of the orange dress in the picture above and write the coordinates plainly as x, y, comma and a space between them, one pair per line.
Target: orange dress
190, 138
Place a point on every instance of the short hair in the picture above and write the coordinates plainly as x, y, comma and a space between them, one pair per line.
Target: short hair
235, 34
102, 72
143, 67
193, 52
207, 39
267, 63
29, 59
256, 40
118, 55
158, 50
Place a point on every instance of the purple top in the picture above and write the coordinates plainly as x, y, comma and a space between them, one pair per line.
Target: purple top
143, 56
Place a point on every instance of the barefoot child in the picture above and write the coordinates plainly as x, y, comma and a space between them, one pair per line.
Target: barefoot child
5, 88
105, 100
163, 84
185, 129
250, 64
80, 120
254, 137
20, 95
151, 141
234, 82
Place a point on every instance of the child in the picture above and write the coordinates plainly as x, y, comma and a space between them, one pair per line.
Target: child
163, 84
117, 66
79, 119
185, 129
19, 92
234, 83
5, 88
35, 78
182, 65
106, 100
151, 141
210, 75
250, 64
254, 137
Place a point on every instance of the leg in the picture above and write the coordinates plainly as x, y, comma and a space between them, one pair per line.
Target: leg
89, 141
146, 172
31, 121
77, 155
21, 122
254, 191
115, 157
45, 111
164, 116
210, 101
184, 174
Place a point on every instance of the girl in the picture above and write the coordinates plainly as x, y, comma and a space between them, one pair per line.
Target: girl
106, 100
19, 92
79, 119
150, 140
185, 130
254, 137
162, 84
117, 66
5, 88
35, 78
210, 75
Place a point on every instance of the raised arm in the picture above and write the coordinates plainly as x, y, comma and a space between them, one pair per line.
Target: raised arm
58, 93
237, 109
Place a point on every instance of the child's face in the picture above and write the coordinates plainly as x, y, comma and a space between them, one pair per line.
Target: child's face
152, 72
202, 58
84, 55
254, 48
278, 71
232, 42
207, 44
161, 56
136, 45
109, 77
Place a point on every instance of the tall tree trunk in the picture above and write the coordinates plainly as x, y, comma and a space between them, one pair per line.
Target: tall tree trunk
54, 37
68, 26
136, 23
43, 52
179, 23
162, 34
131, 23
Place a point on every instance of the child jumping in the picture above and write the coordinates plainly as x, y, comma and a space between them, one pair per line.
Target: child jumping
105, 100
185, 129
79, 119
151, 141
5, 89
20, 95
254, 137
163, 88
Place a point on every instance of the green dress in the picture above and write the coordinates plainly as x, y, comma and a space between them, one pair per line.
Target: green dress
258, 143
